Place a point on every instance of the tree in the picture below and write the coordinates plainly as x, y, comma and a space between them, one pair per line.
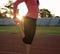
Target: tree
9, 5
3, 12
57, 16
7, 10
45, 13
1, 15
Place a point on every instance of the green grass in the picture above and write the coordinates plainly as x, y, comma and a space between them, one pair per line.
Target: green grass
8, 29
39, 30
48, 30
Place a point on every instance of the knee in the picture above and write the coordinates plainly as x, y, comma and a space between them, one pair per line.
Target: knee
28, 40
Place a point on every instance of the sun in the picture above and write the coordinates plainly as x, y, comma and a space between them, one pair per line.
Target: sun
22, 10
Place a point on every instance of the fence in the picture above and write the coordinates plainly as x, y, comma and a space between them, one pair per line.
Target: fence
48, 22
40, 22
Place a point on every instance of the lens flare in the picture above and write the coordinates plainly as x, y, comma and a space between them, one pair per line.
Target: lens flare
20, 18
22, 11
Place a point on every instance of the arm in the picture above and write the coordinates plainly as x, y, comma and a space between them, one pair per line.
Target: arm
15, 7
38, 2
18, 23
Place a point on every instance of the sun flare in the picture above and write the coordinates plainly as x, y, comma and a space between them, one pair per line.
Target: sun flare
22, 10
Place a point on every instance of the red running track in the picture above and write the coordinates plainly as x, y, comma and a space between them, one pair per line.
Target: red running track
42, 44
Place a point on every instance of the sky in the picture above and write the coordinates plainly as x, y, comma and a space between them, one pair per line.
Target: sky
51, 5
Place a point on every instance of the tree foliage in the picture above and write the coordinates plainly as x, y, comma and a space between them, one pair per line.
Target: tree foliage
45, 13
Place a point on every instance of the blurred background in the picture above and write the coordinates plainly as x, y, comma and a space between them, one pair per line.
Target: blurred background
45, 15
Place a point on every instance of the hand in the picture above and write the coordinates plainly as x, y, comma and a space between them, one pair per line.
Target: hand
16, 20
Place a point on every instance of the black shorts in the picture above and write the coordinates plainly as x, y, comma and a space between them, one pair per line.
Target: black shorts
29, 30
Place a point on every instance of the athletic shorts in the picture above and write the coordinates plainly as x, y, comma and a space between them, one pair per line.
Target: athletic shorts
29, 29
